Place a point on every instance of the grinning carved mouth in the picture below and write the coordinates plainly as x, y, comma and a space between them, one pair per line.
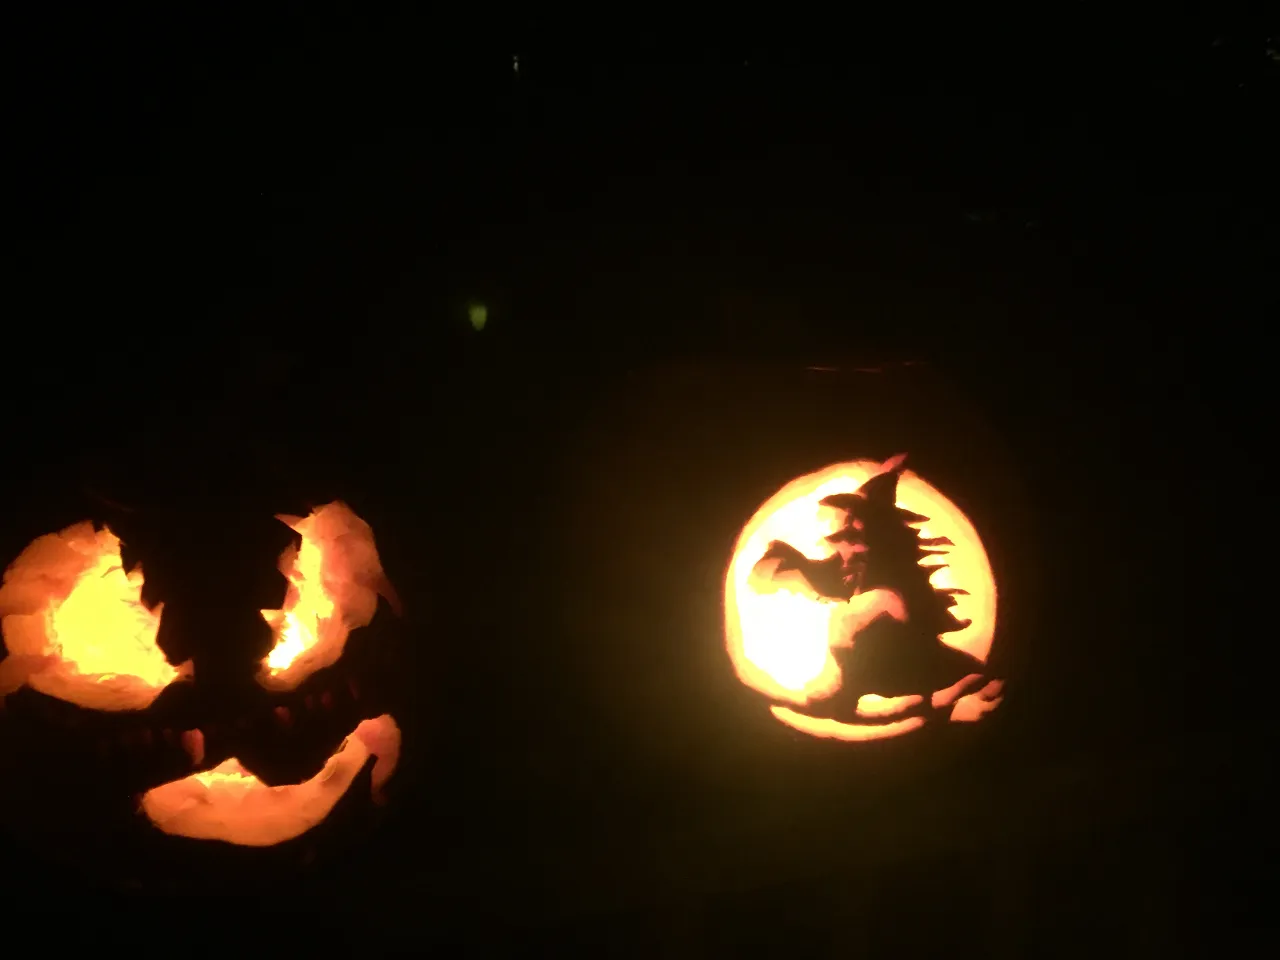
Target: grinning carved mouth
322, 734
230, 803
274, 768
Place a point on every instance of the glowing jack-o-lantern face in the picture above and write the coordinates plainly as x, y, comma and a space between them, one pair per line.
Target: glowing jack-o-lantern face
76, 628
861, 601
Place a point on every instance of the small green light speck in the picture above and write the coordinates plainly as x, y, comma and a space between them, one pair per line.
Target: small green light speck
478, 313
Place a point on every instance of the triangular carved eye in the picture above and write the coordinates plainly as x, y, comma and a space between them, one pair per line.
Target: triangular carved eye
335, 579
76, 627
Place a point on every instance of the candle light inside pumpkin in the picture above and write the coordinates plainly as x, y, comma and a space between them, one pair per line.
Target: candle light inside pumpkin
74, 618
335, 578
781, 638
230, 804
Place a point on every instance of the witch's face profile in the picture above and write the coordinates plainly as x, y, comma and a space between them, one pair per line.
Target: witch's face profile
847, 538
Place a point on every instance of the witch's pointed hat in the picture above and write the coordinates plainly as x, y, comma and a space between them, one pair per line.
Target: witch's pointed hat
879, 492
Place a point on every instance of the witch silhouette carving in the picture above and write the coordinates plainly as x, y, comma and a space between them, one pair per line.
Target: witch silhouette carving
893, 668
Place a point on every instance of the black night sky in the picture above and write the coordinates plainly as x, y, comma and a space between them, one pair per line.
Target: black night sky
242, 254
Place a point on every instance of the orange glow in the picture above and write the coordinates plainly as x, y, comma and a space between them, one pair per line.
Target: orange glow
76, 618
947, 697
975, 706
780, 639
873, 705
230, 804
335, 578
835, 730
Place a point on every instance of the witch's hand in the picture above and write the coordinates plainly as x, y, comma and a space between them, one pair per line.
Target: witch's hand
785, 552
781, 568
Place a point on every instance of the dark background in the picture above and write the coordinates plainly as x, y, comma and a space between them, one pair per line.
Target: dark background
242, 252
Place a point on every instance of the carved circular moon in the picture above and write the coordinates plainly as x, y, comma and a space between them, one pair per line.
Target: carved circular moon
780, 642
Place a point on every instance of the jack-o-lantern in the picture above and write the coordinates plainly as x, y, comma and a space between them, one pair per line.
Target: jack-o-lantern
107, 719
860, 600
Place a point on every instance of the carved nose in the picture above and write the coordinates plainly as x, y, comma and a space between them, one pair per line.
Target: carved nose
226, 639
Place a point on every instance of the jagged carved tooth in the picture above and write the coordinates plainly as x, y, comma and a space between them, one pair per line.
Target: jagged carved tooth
193, 744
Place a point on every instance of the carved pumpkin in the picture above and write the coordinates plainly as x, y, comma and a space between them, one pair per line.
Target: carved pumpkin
860, 600
107, 720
